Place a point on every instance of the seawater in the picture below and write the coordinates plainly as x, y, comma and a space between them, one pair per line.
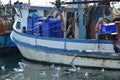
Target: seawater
34, 71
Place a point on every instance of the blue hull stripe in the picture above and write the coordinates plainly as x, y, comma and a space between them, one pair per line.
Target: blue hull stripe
46, 49
62, 51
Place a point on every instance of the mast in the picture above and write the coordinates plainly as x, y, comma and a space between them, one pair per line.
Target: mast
80, 23
10, 3
29, 2
58, 4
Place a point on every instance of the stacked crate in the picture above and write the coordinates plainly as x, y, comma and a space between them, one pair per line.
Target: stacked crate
51, 28
37, 27
33, 27
47, 28
29, 25
58, 30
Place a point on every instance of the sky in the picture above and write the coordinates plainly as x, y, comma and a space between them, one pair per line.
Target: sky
38, 2
6, 1
34, 2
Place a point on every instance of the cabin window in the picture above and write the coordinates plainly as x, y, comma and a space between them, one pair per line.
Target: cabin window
18, 24
69, 28
32, 11
48, 12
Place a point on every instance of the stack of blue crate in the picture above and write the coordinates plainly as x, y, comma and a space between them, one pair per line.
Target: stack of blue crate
51, 28
33, 27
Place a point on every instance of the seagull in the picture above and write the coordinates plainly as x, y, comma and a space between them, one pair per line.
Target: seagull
86, 74
43, 73
21, 65
52, 66
103, 70
78, 69
58, 68
70, 70
66, 71
3, 68
73, 69
56, 75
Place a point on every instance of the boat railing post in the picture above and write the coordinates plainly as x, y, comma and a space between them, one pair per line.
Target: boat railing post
65, 42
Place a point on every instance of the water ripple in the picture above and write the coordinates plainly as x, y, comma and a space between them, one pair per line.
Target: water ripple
38, 71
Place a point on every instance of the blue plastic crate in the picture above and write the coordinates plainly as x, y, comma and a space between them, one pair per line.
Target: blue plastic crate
58, 29
52, 28
108, 28
48, 28
29, 25
37, 28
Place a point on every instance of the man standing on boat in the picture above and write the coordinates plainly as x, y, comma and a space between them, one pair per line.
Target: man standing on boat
98, 27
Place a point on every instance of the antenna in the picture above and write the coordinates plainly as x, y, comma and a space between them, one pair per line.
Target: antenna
10, 3
58, 3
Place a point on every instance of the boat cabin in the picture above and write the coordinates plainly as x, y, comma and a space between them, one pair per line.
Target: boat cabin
73, 22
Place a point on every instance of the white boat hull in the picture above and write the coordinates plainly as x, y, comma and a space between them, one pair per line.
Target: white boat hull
42, 49
66, 59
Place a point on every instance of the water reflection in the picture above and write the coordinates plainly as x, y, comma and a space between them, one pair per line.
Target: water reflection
40, 71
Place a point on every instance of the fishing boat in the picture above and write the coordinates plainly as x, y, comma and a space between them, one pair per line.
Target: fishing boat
65, 33
7, 47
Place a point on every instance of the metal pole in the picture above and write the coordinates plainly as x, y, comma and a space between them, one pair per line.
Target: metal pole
80, 23
10, 3
29, 2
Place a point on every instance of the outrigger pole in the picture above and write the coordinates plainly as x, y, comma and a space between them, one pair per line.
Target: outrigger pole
58, 3
86, 2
